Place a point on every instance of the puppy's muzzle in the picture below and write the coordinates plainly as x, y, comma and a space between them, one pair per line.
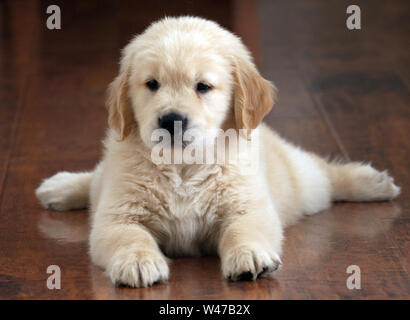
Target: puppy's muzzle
174, 123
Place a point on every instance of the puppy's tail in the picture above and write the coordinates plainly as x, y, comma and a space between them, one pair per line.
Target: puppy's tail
356, 181
65, 191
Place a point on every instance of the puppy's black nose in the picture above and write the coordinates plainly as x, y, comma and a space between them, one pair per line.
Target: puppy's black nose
168, 120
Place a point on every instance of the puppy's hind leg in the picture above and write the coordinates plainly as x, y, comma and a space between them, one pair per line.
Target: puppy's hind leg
360, 182
65, 191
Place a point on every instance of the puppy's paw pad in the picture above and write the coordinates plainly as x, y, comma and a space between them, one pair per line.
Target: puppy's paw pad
248, 263
245, 276
138, 268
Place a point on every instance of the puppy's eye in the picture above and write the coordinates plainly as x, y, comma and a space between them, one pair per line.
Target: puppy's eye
202, 87
153, 85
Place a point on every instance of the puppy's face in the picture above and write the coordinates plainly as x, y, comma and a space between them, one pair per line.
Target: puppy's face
177, 81
186, 74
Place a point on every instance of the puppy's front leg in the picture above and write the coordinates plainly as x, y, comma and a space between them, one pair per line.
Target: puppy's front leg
127, 251
250, 244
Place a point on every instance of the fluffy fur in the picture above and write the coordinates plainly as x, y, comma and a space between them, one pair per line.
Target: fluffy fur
142, 211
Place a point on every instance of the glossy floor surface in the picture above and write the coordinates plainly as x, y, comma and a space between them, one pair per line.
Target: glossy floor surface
341, 93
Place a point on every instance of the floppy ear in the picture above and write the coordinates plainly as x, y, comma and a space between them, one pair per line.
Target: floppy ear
120, 114
253, 95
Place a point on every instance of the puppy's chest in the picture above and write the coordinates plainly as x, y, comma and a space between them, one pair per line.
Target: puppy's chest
170, 195
190, 195
182, 211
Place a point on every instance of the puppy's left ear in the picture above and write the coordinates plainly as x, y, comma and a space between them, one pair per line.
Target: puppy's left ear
120, 114
254, 96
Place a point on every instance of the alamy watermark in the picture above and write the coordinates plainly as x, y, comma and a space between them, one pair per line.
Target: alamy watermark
54, 280
353, 282
194, 147
54, 20
353, 21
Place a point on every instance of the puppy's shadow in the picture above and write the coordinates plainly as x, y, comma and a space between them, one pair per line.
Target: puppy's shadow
68, 227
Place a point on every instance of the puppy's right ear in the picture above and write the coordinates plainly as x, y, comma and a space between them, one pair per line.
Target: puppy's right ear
120, 114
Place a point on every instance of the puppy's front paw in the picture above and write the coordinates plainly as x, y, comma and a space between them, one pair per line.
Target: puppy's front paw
248, 262
138, 268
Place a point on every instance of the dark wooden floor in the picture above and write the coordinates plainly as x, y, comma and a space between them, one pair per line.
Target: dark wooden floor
341, 93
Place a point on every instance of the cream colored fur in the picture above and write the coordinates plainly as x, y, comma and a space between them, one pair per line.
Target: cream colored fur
142, 211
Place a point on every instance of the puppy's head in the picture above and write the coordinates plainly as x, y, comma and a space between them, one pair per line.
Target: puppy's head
186, 73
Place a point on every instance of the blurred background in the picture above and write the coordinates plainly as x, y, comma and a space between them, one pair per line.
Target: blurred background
342, 93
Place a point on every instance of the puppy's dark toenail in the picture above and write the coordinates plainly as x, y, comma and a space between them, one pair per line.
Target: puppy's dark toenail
263, 271
121, 285
245, 276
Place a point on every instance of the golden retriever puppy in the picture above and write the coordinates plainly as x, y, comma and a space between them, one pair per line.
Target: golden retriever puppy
191, 72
